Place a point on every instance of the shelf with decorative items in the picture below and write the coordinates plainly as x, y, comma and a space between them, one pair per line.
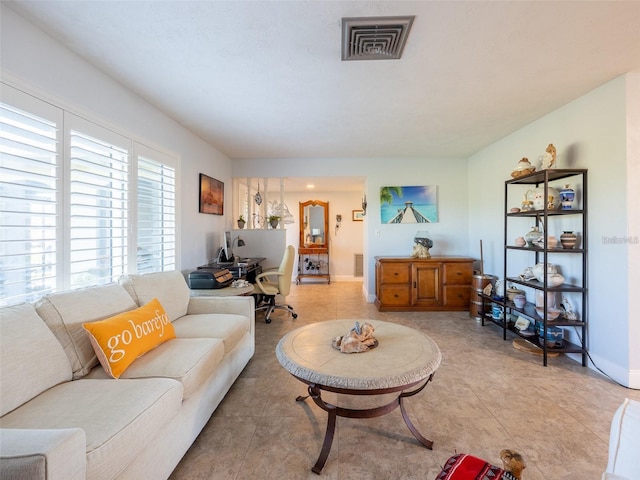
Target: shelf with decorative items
552, 211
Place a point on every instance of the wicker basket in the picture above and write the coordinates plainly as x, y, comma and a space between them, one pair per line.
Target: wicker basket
522, 173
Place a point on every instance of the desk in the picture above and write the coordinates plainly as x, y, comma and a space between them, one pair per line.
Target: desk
222, 292
245, 268
404, 361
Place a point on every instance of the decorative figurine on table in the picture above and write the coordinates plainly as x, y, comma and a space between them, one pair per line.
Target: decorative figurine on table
422, 246
548, 160
359, 339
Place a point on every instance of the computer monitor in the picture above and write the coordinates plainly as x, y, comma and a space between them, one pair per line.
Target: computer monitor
226, 245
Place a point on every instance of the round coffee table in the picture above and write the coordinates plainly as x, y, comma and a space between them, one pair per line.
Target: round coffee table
404, 361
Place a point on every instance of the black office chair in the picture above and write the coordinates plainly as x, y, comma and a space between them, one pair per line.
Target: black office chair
275, 282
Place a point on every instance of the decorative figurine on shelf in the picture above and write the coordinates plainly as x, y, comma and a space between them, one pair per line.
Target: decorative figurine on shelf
527, 203
422, 246
523, 168
359, 339
569, 311
548, 160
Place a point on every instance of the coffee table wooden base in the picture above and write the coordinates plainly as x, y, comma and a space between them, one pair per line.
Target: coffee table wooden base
315, 392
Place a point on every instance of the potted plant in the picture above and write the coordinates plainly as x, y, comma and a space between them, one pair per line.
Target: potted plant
274, 220
241, 222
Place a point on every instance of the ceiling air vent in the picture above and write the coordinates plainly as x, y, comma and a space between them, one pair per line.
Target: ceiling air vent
374, 38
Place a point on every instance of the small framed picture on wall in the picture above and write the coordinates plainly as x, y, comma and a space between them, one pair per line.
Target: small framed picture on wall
357, 215
211, 195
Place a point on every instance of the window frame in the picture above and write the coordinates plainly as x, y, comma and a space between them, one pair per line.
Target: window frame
66, 118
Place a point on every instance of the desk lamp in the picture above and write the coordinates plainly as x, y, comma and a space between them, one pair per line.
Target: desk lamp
240, 242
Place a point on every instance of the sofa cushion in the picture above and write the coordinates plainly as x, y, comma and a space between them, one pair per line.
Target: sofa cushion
168, 287
119, 340
118, 416
230, 328
28, 351
191, 361
65, 313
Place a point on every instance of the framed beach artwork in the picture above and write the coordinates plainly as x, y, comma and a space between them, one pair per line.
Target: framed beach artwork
409, 204
211, 195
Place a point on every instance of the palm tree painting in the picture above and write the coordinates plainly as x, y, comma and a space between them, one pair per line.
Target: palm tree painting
408, 204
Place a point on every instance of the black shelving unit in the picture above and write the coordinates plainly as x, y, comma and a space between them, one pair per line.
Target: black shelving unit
542, 255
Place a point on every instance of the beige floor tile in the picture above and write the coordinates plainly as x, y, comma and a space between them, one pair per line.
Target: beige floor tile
485, 396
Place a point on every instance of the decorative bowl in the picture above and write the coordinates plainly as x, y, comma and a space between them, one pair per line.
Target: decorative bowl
552, 313
555, 336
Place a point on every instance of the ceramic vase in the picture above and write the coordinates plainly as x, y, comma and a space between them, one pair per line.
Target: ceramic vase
552, 202
567, 196
520, 242
241, 224
519, 301
552, 242
568, 240
533, 236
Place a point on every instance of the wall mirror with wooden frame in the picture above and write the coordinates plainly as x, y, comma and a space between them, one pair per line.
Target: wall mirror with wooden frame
314, 226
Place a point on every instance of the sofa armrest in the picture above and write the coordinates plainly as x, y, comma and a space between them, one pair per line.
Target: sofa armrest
623, 448
239, 305
43, 454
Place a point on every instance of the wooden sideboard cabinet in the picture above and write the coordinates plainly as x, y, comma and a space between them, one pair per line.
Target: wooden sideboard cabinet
422, 284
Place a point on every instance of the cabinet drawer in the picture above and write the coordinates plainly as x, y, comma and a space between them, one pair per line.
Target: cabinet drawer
395, 273
457, 295
457, 273
395, 295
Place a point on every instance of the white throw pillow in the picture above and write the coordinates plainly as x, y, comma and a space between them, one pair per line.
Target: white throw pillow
624, 459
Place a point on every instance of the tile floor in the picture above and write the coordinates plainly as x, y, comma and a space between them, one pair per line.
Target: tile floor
485, 396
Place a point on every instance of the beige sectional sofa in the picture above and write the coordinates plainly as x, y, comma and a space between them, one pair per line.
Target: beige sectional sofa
63, 417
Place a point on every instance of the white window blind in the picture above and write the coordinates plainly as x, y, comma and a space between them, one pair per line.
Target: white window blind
156, 238
80, 204
29, 203
98, 204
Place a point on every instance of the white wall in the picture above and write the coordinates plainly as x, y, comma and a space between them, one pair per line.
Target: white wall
633, 226
267, 244
33, 61
450, 176
589, 132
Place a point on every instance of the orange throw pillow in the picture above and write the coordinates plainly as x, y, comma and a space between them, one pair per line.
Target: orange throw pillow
119, 340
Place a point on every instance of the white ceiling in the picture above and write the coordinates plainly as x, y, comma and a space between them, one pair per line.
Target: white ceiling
265, 80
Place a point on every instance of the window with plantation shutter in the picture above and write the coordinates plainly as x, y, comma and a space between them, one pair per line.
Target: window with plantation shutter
156, 212
80, 203
29, 200
98, 204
